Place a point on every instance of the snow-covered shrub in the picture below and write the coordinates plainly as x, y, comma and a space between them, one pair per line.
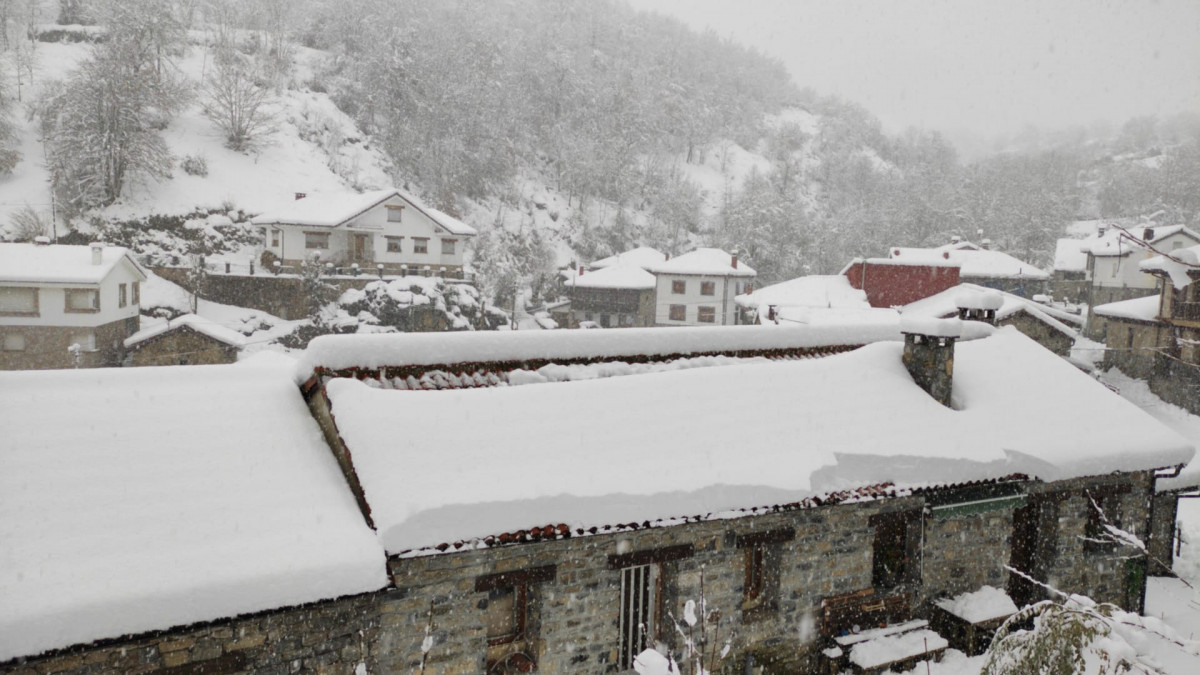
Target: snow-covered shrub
27, 223
194, 165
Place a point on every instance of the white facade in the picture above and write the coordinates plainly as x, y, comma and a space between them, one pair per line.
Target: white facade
388, 227
100, 292
1122, 271
696, 303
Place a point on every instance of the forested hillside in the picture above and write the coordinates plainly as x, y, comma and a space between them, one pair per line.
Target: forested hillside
563, 130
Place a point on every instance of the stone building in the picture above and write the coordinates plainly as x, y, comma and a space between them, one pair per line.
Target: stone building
773, 491
184, 340
1053, 328
617, 296
53, 297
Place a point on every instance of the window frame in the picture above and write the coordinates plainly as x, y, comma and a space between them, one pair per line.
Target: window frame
1108, 498
452, 243
136, 293
8, 335
652, 564
397, 210
708, 288
420, 245
761, 558
677, 313
122, 296
391, 241
704, 311
519, 583
316, 241
679, 287
36, 311
520, 614
68, 293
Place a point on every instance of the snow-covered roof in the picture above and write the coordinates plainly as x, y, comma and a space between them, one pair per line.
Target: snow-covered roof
344, 352
1182, 265
1115, 242
642, 256
973, 261
704, 261
947, 302
1137, 309
624, 275
136, 499
334, 210
913, 262
199, 324
833, 291
1069, 254
61, 263
710, 440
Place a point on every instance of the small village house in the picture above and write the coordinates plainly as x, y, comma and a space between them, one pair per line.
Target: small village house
1113, 259
981, 265
617, 296
385, 229
698, 288
184, 340
1052, 328
54, 296
894, 282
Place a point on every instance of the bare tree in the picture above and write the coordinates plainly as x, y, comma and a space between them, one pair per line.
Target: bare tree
238, 105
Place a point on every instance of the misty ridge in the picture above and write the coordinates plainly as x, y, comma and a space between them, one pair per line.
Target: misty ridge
472, 103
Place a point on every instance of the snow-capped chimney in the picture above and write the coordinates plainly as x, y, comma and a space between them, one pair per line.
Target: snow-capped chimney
955, 239
733, 260
97, 253
301, 195
1148, 234
986, 244
929, 354
979, 306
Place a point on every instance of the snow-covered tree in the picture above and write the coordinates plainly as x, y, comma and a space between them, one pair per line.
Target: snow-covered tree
238, 103
9, 155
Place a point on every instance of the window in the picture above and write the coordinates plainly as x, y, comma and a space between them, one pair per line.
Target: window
394, 213
708, 288
394, 244
82, 300
316, 240
19, 301
678, 313
643, 585
86, 340
679, 287
12, 342
420, 245
448, 246
137, 293
760, 592
274, 238
1103, 506
510, 612
897, 545
706, 314
122, 295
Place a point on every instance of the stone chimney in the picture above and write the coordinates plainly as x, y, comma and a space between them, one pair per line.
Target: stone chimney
733, 261
929, 353
97, 253
979, 306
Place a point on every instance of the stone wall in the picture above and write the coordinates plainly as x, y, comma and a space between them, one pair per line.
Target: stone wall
1040, 331
1096, 326
46, 346
1131, 346
181, 346
573, 604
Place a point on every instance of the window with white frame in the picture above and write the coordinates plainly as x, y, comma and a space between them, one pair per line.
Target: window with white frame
395, 244
12, 342
82, 300
274, 238
420, 245
318, 240
18, 301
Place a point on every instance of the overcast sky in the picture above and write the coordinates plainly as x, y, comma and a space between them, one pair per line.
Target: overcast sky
984, 66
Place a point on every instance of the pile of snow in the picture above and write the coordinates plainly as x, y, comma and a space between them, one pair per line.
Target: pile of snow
1137, 309
620, 276
829, 291
985, 604
1181, 265
946, 304
933, 327
704, 261
973, 261
137, 499
861, 419
891, 648
979, 299
340, 352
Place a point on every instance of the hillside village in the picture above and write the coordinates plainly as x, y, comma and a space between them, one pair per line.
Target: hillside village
347, 393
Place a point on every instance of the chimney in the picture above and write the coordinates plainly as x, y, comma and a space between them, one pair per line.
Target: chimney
666, 257
581, 270
97, 252
301, 195
986, 244
979, 306
955, 239
929, 353
1148, 235
733, 261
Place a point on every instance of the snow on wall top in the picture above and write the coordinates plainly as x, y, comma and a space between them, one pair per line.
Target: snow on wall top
820, 425
333, 210
833, 291
1115, 242
136, 499
946, 304
199, 324
60, 263
931, 326
642, 256
709, 261
617, 276
1181, 266
339, 352
973, 261
1138, 309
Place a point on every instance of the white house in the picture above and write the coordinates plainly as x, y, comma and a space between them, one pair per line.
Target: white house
698, 288
56, 296
385, 227
1113, 257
